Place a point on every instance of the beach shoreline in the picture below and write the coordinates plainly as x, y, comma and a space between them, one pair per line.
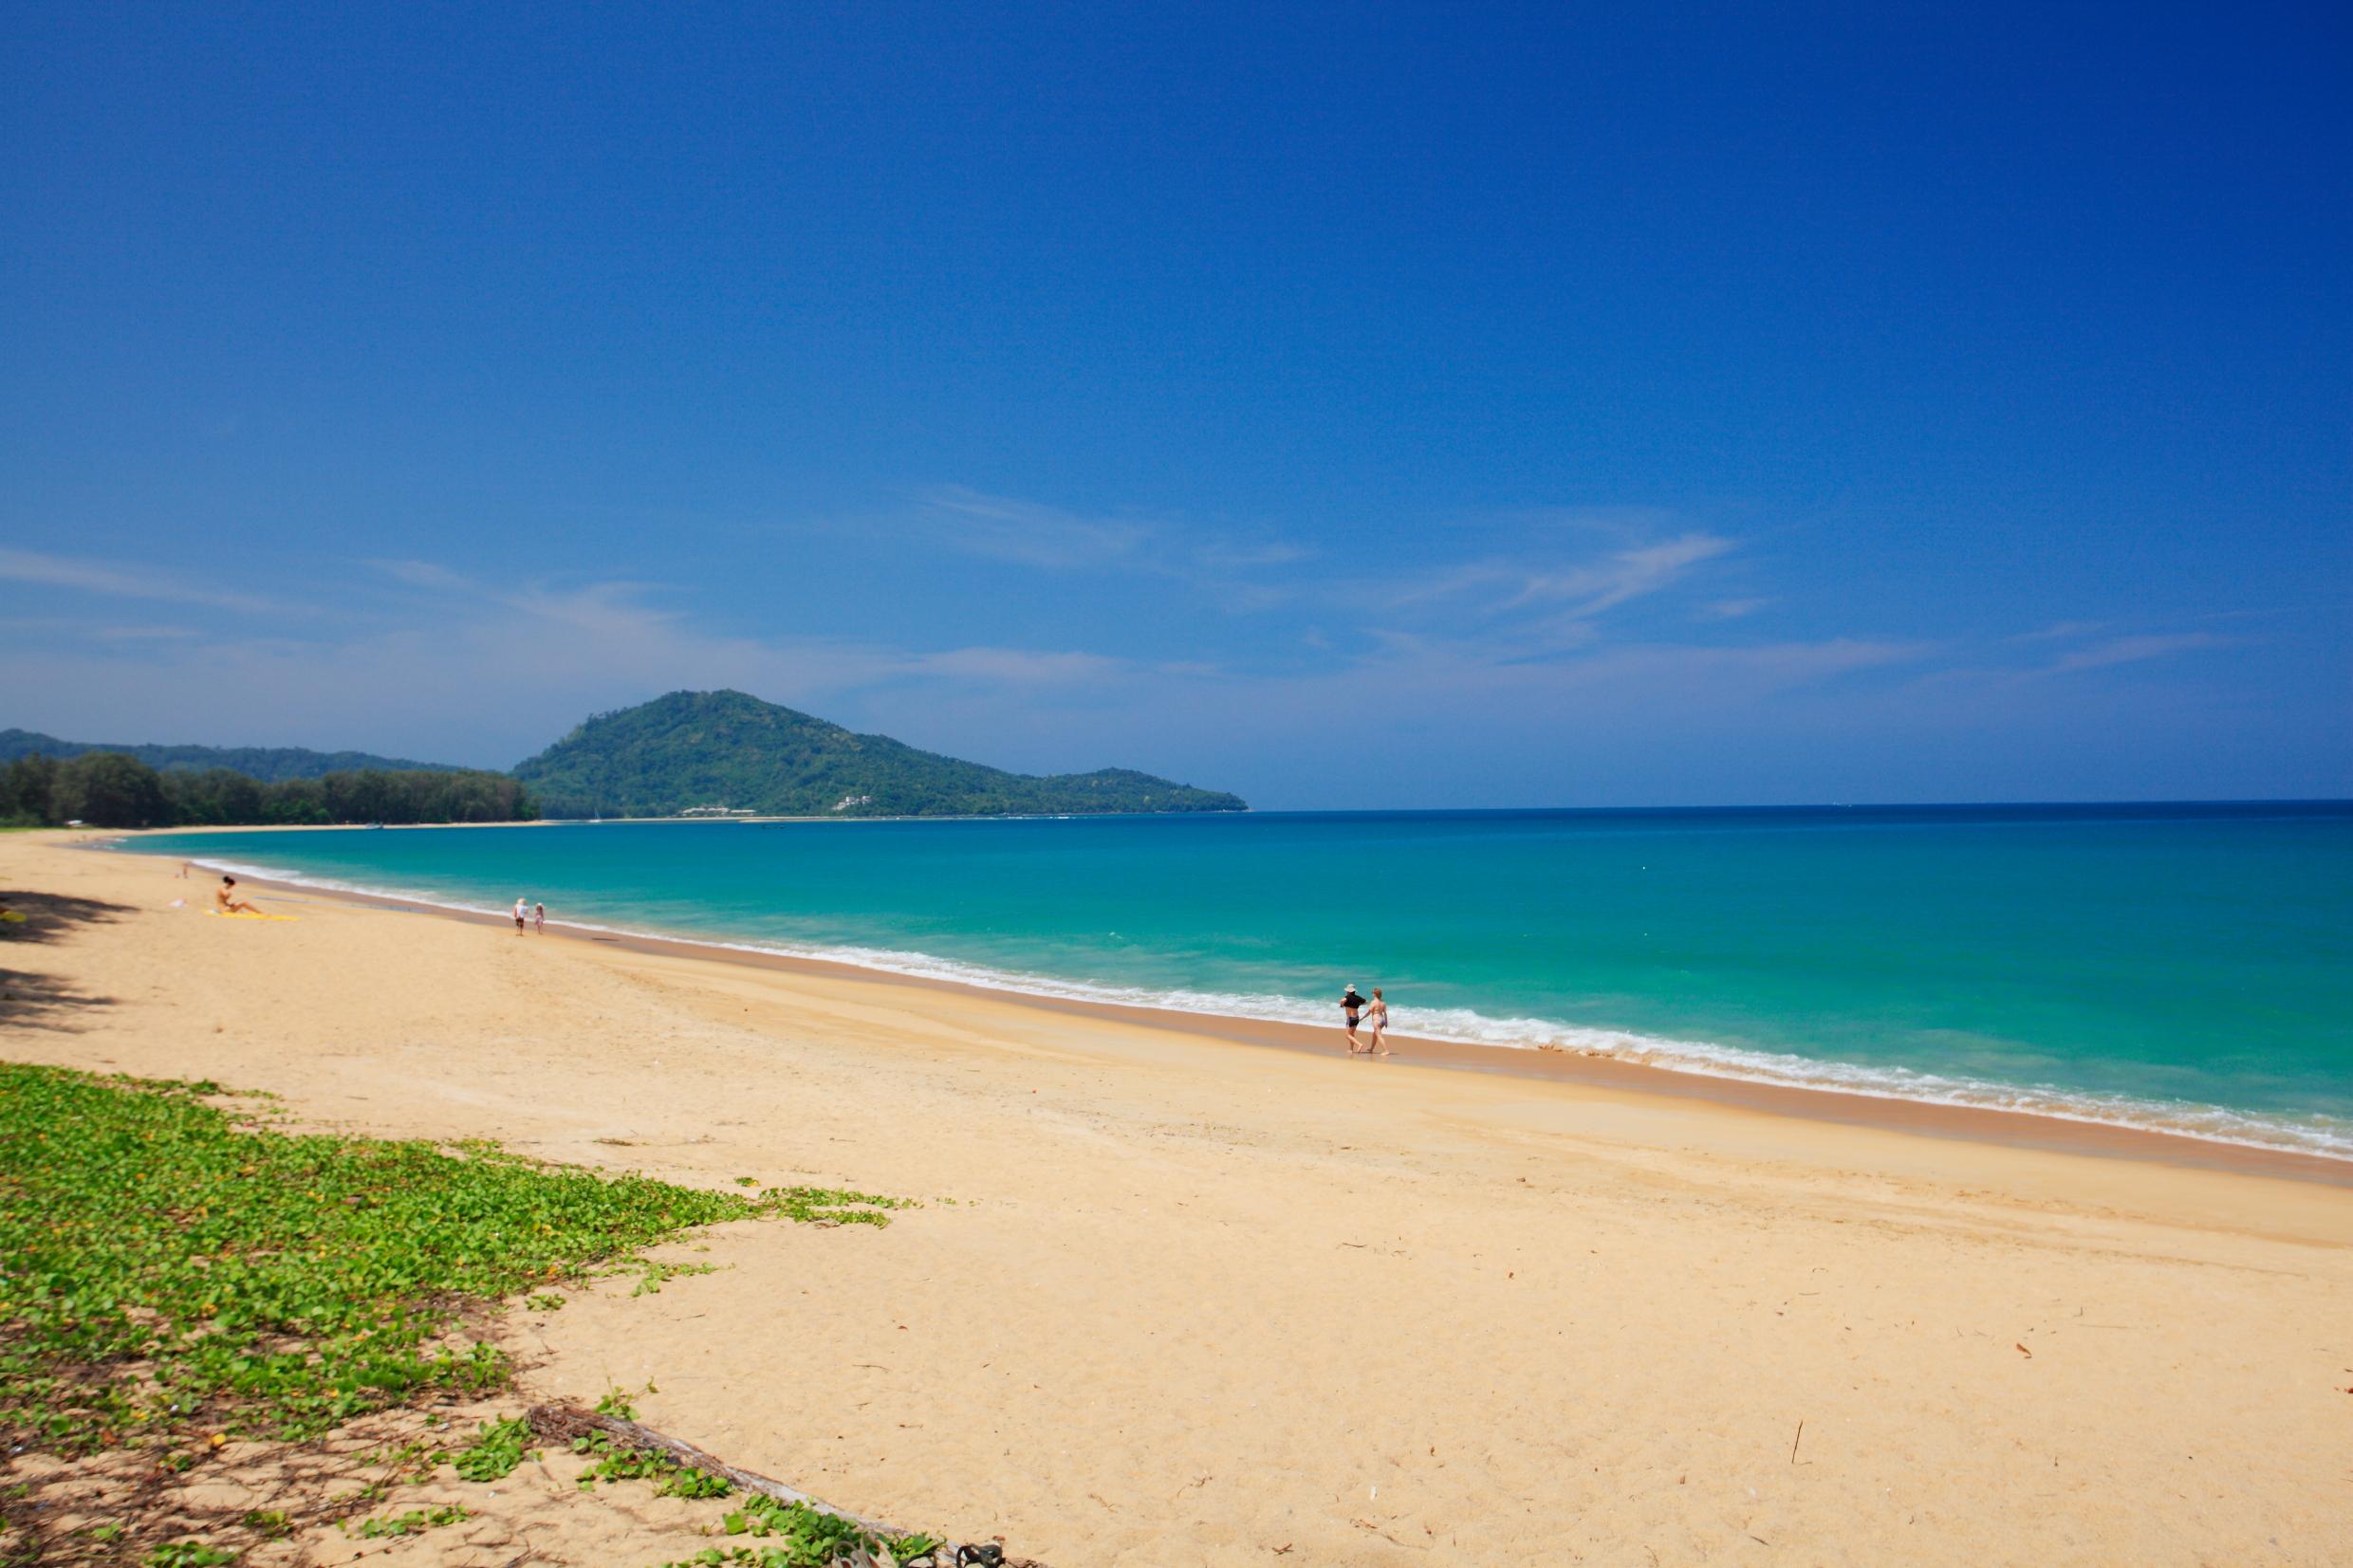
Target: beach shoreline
1591, 1069
1170, 1301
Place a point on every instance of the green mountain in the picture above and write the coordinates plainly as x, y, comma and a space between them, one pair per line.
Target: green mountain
702, 750
268, 764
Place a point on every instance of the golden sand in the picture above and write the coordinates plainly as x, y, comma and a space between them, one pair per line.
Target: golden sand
1199, 1301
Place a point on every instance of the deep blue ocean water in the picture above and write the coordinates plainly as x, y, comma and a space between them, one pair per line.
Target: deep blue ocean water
2185, 966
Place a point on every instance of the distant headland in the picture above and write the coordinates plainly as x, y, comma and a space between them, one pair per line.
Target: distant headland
688, 753
700, 750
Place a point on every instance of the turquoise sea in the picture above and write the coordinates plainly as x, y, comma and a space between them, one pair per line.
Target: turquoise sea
2186, 966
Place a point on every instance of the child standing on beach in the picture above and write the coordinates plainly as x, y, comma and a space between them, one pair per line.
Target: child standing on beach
539, 922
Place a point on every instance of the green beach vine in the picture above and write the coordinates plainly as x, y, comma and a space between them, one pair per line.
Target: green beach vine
172, 1278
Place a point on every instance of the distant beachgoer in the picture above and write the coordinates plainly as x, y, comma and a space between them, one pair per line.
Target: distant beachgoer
225, 896
1376, 1019
1351, 1004
522, 913
183, 870
539, 922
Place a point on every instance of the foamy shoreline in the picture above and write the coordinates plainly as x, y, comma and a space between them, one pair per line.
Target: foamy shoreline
1785, 1084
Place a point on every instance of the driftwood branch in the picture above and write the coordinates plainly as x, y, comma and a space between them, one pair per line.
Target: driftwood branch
560, 1423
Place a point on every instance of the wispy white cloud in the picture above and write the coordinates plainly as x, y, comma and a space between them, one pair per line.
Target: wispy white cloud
2059, 630
1018, 667
1982, 665
472, 669
1574, 564
1628, 524
1622, 576
425, 574
119, 582
83, 627
2133, 650
1231, 572
1237, 556
1556, 582
144, 634
1031, 534
1575, 632
1485, 584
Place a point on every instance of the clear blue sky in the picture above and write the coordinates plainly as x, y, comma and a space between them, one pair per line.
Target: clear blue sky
1349, 406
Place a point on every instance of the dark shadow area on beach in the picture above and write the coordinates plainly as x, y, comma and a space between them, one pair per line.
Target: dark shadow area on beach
49, 916
42, 1001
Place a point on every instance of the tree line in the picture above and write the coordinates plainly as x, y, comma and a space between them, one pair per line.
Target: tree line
114, 790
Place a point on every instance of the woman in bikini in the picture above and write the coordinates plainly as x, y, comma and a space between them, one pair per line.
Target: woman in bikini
1376, 1019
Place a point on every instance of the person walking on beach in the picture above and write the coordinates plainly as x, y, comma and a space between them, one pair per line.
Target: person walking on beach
539, 922
1351, 1004
522, 913
225, 898
1376, 1019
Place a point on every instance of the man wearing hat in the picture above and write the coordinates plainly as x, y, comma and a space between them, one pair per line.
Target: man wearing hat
1351, 1004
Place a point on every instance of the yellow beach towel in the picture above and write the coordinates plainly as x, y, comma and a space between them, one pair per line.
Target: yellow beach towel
222, 914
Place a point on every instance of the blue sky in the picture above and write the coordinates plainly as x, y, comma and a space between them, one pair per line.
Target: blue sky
1349, 406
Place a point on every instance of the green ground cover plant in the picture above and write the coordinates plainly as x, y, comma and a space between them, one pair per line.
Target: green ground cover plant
169, 1275
414, 1523
189, 1554
496, 1449
792, 1534
803, 1535
269, 1523
612, 1463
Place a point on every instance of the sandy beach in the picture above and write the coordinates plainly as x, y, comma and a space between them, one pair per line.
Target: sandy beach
1178, 1298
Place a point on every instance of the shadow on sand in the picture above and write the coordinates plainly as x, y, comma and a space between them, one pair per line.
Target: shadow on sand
30, 1000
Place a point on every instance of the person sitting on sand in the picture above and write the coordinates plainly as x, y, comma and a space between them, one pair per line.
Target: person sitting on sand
225, 898
1350, 1005
1376, 1019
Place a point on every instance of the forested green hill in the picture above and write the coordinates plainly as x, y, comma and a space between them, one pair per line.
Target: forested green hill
693, 750
268, 763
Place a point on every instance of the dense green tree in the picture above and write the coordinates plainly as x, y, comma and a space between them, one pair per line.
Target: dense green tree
235, 797
215, 796
109, 789
27, 788
294, 801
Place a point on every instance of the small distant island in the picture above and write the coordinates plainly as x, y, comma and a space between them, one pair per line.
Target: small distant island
725, 753
698, 754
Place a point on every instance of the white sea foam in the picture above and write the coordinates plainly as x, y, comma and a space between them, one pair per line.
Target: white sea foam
2320, 1136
